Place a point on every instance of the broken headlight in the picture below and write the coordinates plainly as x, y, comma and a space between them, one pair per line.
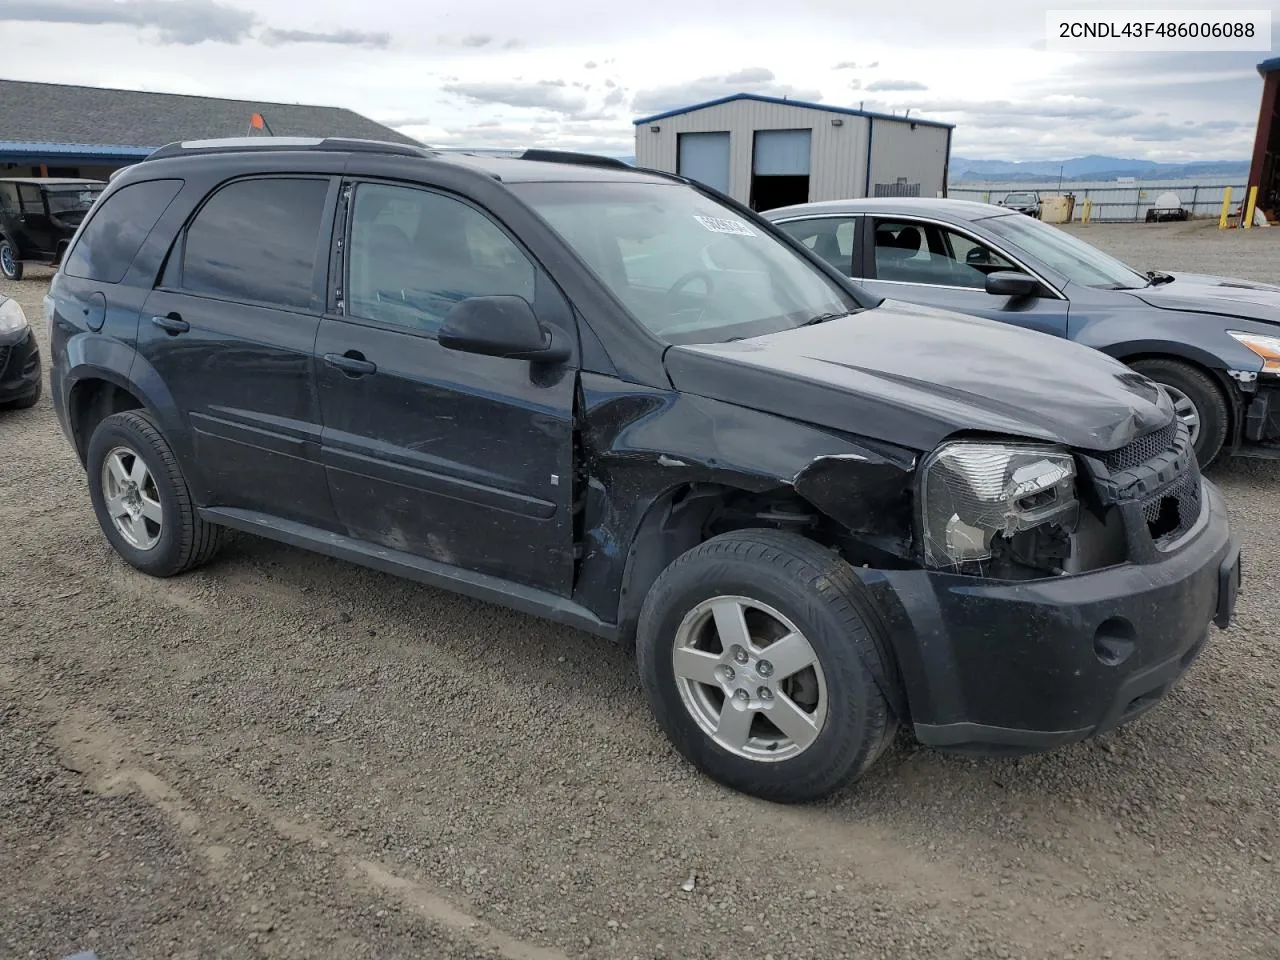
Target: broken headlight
979, 499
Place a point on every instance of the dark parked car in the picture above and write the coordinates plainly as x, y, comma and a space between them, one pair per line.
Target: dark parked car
613, 398
19, 357
38, 217
1212, 342
1027, 202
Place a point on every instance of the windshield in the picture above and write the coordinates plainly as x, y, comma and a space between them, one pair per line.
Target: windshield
73, 198
1073, 258
688, 268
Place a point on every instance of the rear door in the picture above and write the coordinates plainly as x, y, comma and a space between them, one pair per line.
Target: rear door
230, 331
462, 459
920, 261
35, 238
833, 238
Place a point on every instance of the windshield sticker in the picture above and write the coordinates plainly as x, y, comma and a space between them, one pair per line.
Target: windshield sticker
721, 225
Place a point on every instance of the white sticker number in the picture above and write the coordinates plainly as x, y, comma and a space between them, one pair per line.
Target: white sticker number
723, 225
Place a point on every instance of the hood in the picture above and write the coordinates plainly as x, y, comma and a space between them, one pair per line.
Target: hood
1221, 296
913, 375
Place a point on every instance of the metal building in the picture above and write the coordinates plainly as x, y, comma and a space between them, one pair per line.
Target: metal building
1264, 173
769, 152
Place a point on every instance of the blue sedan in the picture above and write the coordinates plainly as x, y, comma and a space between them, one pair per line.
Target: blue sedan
1212, 342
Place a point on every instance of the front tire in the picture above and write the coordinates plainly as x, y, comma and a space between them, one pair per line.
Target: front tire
1197, 401
141, 499
752, 649
10, 265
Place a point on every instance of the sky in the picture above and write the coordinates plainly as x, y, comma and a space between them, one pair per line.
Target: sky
510, 73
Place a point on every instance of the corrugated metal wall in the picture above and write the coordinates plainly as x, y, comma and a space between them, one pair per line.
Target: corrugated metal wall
919, 156
838, 162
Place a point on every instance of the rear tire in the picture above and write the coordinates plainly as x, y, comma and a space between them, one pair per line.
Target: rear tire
10, 265
1199, 400
141, 499
771, 586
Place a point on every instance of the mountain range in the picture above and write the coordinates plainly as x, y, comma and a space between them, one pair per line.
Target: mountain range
1090, 168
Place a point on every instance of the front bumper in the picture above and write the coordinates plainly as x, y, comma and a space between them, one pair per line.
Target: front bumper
19, 367
1001, 667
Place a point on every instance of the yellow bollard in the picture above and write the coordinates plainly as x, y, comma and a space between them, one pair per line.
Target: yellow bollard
1226, 209
1248, 207
1087, 215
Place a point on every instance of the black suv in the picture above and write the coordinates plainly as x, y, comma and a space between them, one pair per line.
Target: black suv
38, 218
617, 399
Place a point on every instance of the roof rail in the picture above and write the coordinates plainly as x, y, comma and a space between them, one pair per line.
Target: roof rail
336, 144
568, 156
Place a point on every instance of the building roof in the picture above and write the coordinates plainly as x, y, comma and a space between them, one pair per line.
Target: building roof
97, 121
760, 98
1269, 66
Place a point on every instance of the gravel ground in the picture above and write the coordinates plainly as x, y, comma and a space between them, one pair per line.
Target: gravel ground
287, 756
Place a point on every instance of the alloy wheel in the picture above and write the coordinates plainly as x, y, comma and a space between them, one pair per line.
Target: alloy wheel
749, 678
132, 499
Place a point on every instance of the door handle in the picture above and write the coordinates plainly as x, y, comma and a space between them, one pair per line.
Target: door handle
172, 324
351, 363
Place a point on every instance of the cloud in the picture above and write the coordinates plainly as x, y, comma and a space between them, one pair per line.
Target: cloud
615, 97
750, 75
545, 94
477, 40
1052, 108
273, 37
185, 22
748, 80
181, 22
845, 65
590, 65
855, 84
886, 86
610, 83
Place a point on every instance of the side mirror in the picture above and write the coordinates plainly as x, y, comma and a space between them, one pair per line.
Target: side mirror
502, 326
1010, 283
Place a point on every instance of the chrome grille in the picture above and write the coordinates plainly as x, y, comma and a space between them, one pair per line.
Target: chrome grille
1141, 450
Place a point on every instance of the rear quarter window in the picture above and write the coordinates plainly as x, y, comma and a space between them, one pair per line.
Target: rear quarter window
115, 233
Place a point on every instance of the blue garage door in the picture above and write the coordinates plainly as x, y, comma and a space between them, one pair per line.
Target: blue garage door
781, 153
704, 157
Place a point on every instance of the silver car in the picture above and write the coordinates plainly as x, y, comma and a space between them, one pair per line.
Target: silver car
1212, 342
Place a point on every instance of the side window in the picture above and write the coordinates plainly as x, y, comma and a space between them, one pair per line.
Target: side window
8, 199
415, 253
831, 238
112, 238
257, 240
972, 261
29, 199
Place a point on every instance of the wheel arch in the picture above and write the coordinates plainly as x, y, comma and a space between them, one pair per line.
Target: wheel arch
1203, 362
676, 522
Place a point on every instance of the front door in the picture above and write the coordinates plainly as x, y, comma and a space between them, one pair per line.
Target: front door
924, 262
231, 331
461, 459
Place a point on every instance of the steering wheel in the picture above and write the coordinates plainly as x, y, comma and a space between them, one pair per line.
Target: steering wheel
684, 281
